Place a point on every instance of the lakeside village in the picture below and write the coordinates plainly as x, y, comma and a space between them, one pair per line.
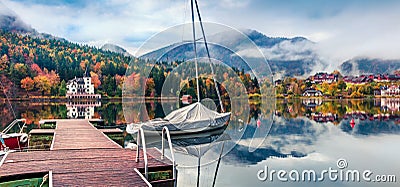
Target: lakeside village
335, 86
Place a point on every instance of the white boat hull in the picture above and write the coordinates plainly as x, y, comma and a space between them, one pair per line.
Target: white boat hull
134, 128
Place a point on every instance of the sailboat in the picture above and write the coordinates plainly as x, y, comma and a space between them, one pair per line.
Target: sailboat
195, 117
13, 141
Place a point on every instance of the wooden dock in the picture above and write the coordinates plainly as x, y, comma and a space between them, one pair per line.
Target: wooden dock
82, 155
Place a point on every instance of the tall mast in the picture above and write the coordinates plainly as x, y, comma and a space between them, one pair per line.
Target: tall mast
209, 58
195, 52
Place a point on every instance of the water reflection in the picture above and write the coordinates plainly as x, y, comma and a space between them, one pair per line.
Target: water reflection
305, 134
373, 116
197, 147
82, 110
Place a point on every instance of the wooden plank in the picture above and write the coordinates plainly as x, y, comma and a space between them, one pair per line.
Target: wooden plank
80, 134
85, 167
83, 156
41, 131
111, 131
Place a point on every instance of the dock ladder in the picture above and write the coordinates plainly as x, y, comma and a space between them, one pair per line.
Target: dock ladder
141, 140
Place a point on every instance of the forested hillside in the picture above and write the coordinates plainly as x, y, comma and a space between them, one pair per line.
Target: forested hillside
42, 66
34, 66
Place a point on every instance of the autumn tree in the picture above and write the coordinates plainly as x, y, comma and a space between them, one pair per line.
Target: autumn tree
3, 62
97, 67
36, 69
150, 87
341, 85
325, 87
27, 84
120, 80
42, 83
83, 64
332, 89
53, 78
133, 84
95, 79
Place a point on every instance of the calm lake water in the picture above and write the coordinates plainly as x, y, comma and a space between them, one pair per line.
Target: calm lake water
308, 134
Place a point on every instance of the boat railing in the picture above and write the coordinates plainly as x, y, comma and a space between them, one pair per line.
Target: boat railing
165, 130
9, 127
141, 139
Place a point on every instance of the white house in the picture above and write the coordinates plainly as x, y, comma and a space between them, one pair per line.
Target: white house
390, 91
81, 88
312, 93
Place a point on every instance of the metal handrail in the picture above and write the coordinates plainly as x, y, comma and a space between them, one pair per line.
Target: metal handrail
141, 137
23, 126
142, 140
12, 125
165, 130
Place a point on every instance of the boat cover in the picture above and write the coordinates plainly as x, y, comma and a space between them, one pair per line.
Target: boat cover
193, 116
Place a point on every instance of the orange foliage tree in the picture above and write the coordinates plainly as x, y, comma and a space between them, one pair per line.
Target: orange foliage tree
27, 83
47, 80
35, 68
42, 83
95, 79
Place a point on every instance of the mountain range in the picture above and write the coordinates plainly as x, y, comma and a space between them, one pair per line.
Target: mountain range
295, 56
115, 48
369, 66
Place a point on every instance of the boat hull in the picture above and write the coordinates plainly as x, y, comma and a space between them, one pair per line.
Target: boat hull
15, 141
133, 129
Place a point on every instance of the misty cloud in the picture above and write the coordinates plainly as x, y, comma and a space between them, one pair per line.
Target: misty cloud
9, 20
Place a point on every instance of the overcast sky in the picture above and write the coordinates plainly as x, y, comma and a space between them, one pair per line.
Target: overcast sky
342, 28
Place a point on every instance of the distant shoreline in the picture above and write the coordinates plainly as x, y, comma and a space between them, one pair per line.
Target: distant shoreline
119, 99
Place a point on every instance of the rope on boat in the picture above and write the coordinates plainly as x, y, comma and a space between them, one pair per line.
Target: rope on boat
195, 52
45, 178
195, 4
209, 56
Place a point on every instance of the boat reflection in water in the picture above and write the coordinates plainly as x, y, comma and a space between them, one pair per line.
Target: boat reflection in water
193, 151
197, 147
